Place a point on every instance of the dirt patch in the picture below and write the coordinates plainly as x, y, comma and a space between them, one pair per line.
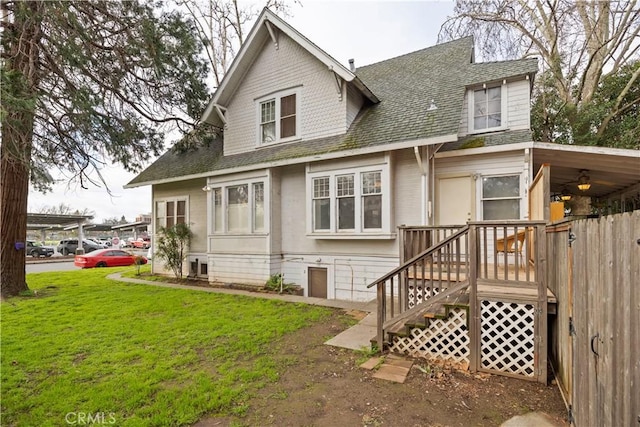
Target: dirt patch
326, 387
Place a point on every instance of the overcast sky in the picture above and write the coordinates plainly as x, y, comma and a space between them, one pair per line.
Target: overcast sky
367, 31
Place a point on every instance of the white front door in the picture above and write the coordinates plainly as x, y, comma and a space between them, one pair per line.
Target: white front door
454, 200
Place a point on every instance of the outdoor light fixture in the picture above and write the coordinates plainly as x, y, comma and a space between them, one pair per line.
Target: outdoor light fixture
583, 181
565, 196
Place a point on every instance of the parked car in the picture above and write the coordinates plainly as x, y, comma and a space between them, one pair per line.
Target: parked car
69, 246
141, 243
105, 241
36, 250
98, 242
107, 258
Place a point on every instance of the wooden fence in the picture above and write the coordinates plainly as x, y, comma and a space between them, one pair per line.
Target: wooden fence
594, 271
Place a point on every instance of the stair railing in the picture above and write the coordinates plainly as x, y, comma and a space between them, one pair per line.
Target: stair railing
430, 272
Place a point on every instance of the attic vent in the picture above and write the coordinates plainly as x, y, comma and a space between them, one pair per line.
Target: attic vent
352, 65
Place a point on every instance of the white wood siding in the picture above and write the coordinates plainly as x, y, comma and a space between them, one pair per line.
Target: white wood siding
196, 215
518, 108
355, 100
196, 207
322, 113
510, 163
248, 268
519, 105
407, 187
347, 277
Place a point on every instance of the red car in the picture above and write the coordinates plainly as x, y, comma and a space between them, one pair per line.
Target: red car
107, 258
141, 244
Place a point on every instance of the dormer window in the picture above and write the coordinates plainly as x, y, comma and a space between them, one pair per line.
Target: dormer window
278, 118
487, 109
487, 106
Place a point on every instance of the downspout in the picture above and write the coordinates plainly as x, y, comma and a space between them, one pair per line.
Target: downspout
423, 188
431, 162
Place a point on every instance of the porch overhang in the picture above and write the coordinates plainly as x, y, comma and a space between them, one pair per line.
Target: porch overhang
612, 172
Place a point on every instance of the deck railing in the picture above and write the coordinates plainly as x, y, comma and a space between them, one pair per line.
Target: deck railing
494, 254
416, 239
425, 275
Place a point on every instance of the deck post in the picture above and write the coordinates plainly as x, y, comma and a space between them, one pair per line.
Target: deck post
382, 308
474, 317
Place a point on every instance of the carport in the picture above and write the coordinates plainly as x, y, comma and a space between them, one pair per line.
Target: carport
51, 222
610, 177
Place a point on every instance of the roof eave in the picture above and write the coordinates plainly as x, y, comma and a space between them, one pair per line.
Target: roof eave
310, 158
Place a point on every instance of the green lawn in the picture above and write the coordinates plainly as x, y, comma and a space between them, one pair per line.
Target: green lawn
135, 355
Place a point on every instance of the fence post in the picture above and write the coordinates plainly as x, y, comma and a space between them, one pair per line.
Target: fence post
541, 268
474, 317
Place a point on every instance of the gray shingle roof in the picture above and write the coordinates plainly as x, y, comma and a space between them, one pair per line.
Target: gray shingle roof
405, 86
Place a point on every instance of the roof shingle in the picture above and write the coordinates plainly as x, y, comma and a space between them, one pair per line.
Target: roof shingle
405, 85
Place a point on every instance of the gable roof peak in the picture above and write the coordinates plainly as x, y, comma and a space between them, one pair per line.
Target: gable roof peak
269, 26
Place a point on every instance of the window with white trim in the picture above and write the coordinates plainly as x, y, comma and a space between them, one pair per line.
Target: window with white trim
321, 204
487, 108
350, 202
171, 212
501, 197
278, 118
239, 208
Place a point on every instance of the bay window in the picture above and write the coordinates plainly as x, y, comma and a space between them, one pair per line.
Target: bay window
350, 203
321, 204
239, 208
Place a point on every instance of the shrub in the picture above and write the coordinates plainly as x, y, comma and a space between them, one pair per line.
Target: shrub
172, 246
275, 284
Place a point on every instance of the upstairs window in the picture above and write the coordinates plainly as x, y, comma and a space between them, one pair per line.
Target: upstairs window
268, 121
278, 118
487, 108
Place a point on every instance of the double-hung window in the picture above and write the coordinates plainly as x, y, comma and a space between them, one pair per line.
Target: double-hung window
239, 208
501, 197
278, 118
321, 204
487, 108
170, 212
372, 200
350, 203
346, 201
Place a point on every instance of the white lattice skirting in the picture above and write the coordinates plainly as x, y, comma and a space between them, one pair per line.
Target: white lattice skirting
507, 340
446, 339
417, 294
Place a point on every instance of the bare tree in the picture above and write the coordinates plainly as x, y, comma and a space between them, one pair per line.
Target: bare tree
64, 209
579, 43
222, 27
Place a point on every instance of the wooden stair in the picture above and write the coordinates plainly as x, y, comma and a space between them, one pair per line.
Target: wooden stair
437, 307
428, 311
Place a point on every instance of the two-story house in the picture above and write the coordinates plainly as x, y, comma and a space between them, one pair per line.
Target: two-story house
317, 164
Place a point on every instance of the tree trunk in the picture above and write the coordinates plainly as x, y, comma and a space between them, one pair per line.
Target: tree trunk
14, 190
20, 80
